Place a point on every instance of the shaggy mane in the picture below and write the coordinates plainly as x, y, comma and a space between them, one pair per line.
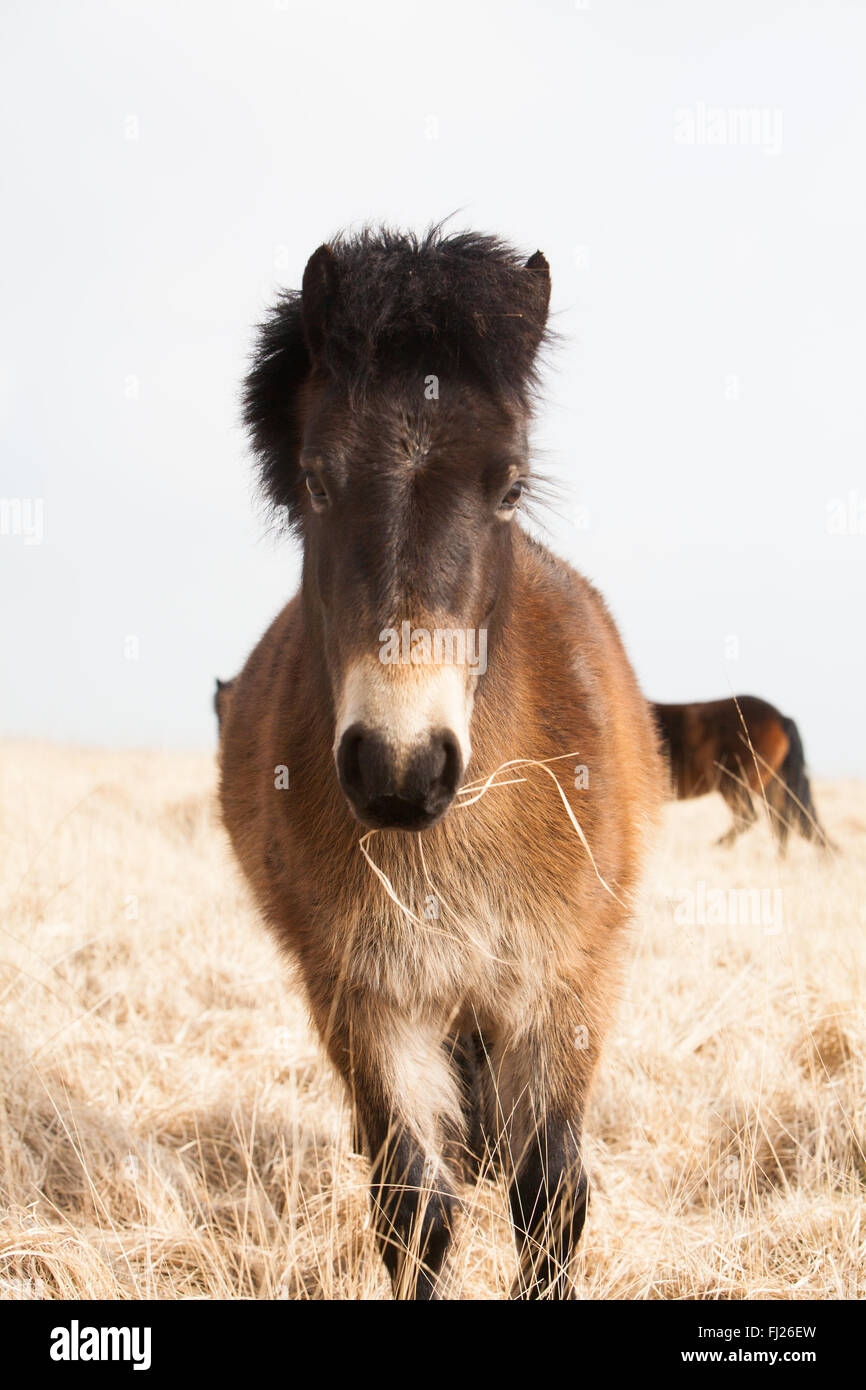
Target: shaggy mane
462, 305
463, 302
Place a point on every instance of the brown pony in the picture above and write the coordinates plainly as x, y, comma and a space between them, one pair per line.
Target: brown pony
437, 766
741, 747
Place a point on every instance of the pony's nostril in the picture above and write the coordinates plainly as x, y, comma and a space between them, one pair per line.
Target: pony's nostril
435, 772
349, 766
365, 765
450, 765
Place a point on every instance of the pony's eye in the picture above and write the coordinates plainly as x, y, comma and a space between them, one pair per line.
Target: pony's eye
512, 496
316, 491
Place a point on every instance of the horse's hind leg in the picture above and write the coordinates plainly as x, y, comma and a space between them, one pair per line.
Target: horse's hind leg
777, 800
739, 799
474, 1148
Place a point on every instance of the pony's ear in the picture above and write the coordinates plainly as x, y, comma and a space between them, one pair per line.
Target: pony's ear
318, 293
272, 400
540, 271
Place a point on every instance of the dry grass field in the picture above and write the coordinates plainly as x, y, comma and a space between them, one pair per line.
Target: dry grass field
169, 1129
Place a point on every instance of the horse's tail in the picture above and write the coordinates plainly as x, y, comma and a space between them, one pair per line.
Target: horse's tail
798, 808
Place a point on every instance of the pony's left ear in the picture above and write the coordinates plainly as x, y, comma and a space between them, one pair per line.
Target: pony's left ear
540, 270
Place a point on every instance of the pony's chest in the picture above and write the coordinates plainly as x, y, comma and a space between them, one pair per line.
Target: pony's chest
447, 948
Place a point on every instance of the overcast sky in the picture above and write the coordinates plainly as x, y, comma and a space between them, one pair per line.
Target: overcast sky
694, 174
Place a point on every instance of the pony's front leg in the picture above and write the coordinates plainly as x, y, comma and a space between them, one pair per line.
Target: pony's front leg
405, 1098
548, 1197
542, 1092
413, 1208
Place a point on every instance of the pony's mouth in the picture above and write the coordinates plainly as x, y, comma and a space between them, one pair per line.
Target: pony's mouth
398, 813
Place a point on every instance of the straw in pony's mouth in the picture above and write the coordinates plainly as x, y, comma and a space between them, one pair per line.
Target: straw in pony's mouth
474, 791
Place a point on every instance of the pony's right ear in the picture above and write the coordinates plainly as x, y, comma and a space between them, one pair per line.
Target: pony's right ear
290, 345
318, 294
273, 401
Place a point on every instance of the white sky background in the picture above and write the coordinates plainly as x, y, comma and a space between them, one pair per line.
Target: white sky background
134, 269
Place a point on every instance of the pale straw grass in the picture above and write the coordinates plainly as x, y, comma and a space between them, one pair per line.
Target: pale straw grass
169, 1128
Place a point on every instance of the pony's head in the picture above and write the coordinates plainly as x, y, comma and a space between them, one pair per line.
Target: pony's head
388, 404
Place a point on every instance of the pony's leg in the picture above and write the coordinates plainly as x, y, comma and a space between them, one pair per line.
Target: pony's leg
730, 836
548, 1197
404, 1096
474, 1148
541, 1095
739, 799
413, 1207
777, 800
